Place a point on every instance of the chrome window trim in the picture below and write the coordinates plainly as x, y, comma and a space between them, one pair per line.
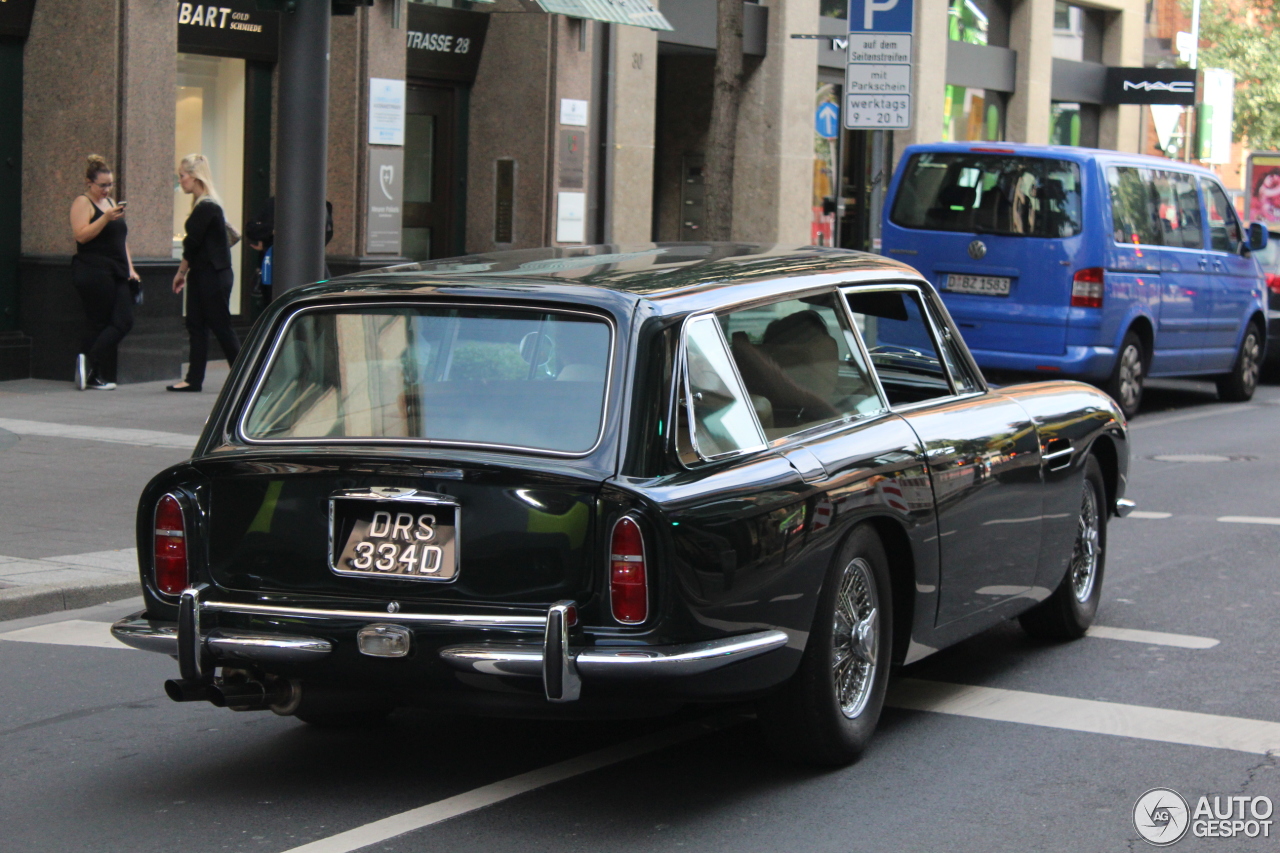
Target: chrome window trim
688, 397
933, 330
325, 441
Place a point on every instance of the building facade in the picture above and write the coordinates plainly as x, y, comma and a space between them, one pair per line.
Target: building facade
516, 127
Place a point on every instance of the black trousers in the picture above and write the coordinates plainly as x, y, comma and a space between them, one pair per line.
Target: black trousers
108, 302
208, 309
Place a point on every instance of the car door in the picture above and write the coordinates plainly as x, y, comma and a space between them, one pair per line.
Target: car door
1232, 278
981, 448
1186, 295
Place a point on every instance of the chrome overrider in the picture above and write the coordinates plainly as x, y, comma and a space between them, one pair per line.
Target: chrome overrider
561, 666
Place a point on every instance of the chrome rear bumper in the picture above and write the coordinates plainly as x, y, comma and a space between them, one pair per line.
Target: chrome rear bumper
561, 666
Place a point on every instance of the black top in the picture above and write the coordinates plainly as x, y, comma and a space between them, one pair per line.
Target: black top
205, 246
106, 251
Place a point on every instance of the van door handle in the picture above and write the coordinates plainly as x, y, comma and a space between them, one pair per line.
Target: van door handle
1204, 263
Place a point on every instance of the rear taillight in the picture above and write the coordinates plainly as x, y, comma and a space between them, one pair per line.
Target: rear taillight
1273, 282
628, 580
1086, 288
170, 547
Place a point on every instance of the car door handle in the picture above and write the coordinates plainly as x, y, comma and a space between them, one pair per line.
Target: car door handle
1057, 454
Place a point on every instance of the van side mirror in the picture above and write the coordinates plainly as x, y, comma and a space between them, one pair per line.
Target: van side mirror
1258, 237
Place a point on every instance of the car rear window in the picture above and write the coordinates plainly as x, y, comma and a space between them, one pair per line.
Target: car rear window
516, 378
989, 194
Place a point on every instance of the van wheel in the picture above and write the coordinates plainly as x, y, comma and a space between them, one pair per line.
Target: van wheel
1239, 385
1125, 384
828, 710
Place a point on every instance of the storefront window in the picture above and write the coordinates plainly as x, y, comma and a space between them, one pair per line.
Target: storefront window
973, 115
968, 22
210, 121
1073, 124
826, 142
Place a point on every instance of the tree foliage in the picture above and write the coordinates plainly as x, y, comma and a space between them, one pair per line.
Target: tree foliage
1243, 37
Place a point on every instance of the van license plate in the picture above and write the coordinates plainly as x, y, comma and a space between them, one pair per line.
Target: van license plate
407, 541
985, 285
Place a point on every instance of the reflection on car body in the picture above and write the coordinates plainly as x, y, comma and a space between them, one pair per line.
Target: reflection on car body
599, 481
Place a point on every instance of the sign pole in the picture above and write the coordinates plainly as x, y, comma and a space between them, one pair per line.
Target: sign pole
302, 145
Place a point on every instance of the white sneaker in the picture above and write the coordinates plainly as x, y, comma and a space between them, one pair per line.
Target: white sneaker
82, 372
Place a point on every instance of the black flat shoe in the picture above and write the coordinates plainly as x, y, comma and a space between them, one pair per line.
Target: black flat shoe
191, 388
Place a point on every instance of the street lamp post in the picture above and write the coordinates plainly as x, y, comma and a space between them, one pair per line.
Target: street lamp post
302, 144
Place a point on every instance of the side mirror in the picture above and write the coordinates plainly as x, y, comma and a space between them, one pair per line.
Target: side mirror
1258, 237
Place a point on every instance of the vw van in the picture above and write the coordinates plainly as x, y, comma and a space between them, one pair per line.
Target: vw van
1084, 263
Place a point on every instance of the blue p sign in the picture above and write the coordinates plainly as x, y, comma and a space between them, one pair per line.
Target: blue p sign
881, 16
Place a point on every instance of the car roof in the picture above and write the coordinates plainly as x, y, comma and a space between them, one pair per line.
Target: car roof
1064, 152
674, 277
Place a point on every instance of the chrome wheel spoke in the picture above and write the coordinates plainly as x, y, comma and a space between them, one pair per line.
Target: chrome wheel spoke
1083, 571
854, 640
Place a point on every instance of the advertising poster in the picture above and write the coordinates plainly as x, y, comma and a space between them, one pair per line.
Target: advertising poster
1264, 188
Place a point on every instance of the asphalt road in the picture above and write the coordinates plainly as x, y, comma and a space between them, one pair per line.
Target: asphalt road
93, 757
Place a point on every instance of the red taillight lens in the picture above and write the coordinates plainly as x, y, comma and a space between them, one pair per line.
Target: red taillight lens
1086, 288
628, 580
1273, 282
170, 547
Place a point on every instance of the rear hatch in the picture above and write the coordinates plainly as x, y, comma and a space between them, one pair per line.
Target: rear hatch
521, 536
428, 450
996, 234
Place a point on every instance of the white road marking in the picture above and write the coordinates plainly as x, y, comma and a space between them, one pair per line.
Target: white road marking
1140, 513
1249, 519
1087, 715
114, 435
1217, 411
487, 795
69, 632
1153, 638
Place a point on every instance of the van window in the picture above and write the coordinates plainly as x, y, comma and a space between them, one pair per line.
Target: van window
1134, 216
1224, 228
989, 194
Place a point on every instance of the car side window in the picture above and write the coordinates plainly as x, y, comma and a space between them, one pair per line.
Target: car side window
1224, 228
1178, 210
903, 351
1133, 206
714, 400
800, 363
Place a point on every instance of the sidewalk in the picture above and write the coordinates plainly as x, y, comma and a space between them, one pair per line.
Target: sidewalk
72, 465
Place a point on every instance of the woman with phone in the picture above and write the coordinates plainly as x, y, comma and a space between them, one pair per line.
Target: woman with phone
205, 271
103, 274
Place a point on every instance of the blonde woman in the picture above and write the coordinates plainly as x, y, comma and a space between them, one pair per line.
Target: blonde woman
103, 273
205, 271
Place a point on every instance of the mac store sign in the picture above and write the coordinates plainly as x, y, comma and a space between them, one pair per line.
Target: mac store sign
1150, 86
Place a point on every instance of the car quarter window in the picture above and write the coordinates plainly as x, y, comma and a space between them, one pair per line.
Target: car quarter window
715, 402
903, 350
1224, 228
800, 364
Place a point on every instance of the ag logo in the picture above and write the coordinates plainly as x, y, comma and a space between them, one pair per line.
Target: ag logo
1161, 816
386, 175
977, 250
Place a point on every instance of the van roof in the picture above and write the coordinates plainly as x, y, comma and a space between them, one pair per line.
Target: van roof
1060, 152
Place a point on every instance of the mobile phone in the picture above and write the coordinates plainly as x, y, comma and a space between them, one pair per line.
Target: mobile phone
121, 203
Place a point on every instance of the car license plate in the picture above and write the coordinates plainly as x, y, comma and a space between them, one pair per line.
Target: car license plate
985, 285
405, 540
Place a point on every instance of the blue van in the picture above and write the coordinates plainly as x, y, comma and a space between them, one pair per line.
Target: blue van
1083, 263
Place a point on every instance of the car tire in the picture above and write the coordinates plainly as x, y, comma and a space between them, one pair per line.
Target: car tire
1238, 385
1128, 375
826, 713
1069, 611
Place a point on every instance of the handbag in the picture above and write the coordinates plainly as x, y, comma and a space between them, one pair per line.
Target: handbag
233, 235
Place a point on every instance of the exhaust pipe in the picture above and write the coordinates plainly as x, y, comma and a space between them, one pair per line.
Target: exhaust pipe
186, 690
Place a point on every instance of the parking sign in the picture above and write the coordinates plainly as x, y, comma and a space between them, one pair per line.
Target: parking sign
881, 16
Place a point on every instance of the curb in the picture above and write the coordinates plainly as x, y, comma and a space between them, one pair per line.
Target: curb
39, 599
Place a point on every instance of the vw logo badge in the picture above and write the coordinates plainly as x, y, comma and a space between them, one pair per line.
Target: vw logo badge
977, 250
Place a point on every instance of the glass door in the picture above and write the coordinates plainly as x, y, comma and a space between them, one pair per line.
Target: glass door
429, 225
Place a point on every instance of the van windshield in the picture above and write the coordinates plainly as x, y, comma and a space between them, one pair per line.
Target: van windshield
989, 194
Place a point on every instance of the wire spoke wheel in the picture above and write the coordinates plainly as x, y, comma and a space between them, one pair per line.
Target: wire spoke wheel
1084, 558
854, 638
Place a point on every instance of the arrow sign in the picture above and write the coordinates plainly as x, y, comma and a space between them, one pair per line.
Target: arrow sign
827, 120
